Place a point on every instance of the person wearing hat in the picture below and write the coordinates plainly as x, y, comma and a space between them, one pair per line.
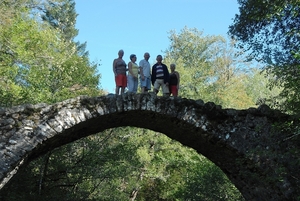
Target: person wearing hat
133, 73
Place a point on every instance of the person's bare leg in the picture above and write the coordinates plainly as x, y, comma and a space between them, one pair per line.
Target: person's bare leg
122, 90
117, 90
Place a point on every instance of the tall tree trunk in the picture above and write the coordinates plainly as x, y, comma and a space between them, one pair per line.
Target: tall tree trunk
43, 169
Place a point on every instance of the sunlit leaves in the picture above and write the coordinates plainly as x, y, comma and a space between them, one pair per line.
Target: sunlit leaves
40, 60
271, 32
266, 28
210, 68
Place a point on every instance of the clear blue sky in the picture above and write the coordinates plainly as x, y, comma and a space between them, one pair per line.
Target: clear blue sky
139, 26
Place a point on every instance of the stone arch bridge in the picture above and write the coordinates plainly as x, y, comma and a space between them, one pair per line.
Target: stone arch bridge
246, 144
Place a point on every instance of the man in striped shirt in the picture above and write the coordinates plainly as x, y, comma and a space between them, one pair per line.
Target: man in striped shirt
160, 76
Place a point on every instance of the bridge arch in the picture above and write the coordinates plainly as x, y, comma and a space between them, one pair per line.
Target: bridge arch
224, 136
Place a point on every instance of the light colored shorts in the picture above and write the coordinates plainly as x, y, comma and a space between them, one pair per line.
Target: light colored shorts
160, 83
146, 83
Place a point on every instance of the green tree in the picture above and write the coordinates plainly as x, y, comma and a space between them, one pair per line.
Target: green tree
62, 16
258, 87
270, 32
121, 164
210, 68
37, 66
269, 29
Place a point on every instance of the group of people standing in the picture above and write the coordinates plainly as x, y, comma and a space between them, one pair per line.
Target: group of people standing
159, 76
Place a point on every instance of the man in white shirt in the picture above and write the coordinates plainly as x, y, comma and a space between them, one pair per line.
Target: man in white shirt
145, 73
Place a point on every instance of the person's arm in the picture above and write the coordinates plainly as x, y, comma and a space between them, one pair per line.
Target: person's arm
130, 69
142, 73
178, 79
153, 75
114, 67
166, 75
141, 70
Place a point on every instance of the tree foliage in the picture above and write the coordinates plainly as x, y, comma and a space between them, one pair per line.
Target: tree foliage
270, 31
210, 68
37, 63
122, 164
62, 16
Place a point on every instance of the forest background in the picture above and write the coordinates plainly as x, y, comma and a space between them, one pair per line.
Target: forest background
40, 61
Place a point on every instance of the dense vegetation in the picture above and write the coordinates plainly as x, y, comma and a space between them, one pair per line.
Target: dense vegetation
41, 62
269, 30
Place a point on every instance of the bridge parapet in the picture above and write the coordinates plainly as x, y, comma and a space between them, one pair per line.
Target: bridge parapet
238, 141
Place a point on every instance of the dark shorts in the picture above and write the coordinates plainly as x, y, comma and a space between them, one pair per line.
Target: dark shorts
173, 90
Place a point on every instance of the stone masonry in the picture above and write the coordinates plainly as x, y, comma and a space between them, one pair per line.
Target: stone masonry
246, 144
